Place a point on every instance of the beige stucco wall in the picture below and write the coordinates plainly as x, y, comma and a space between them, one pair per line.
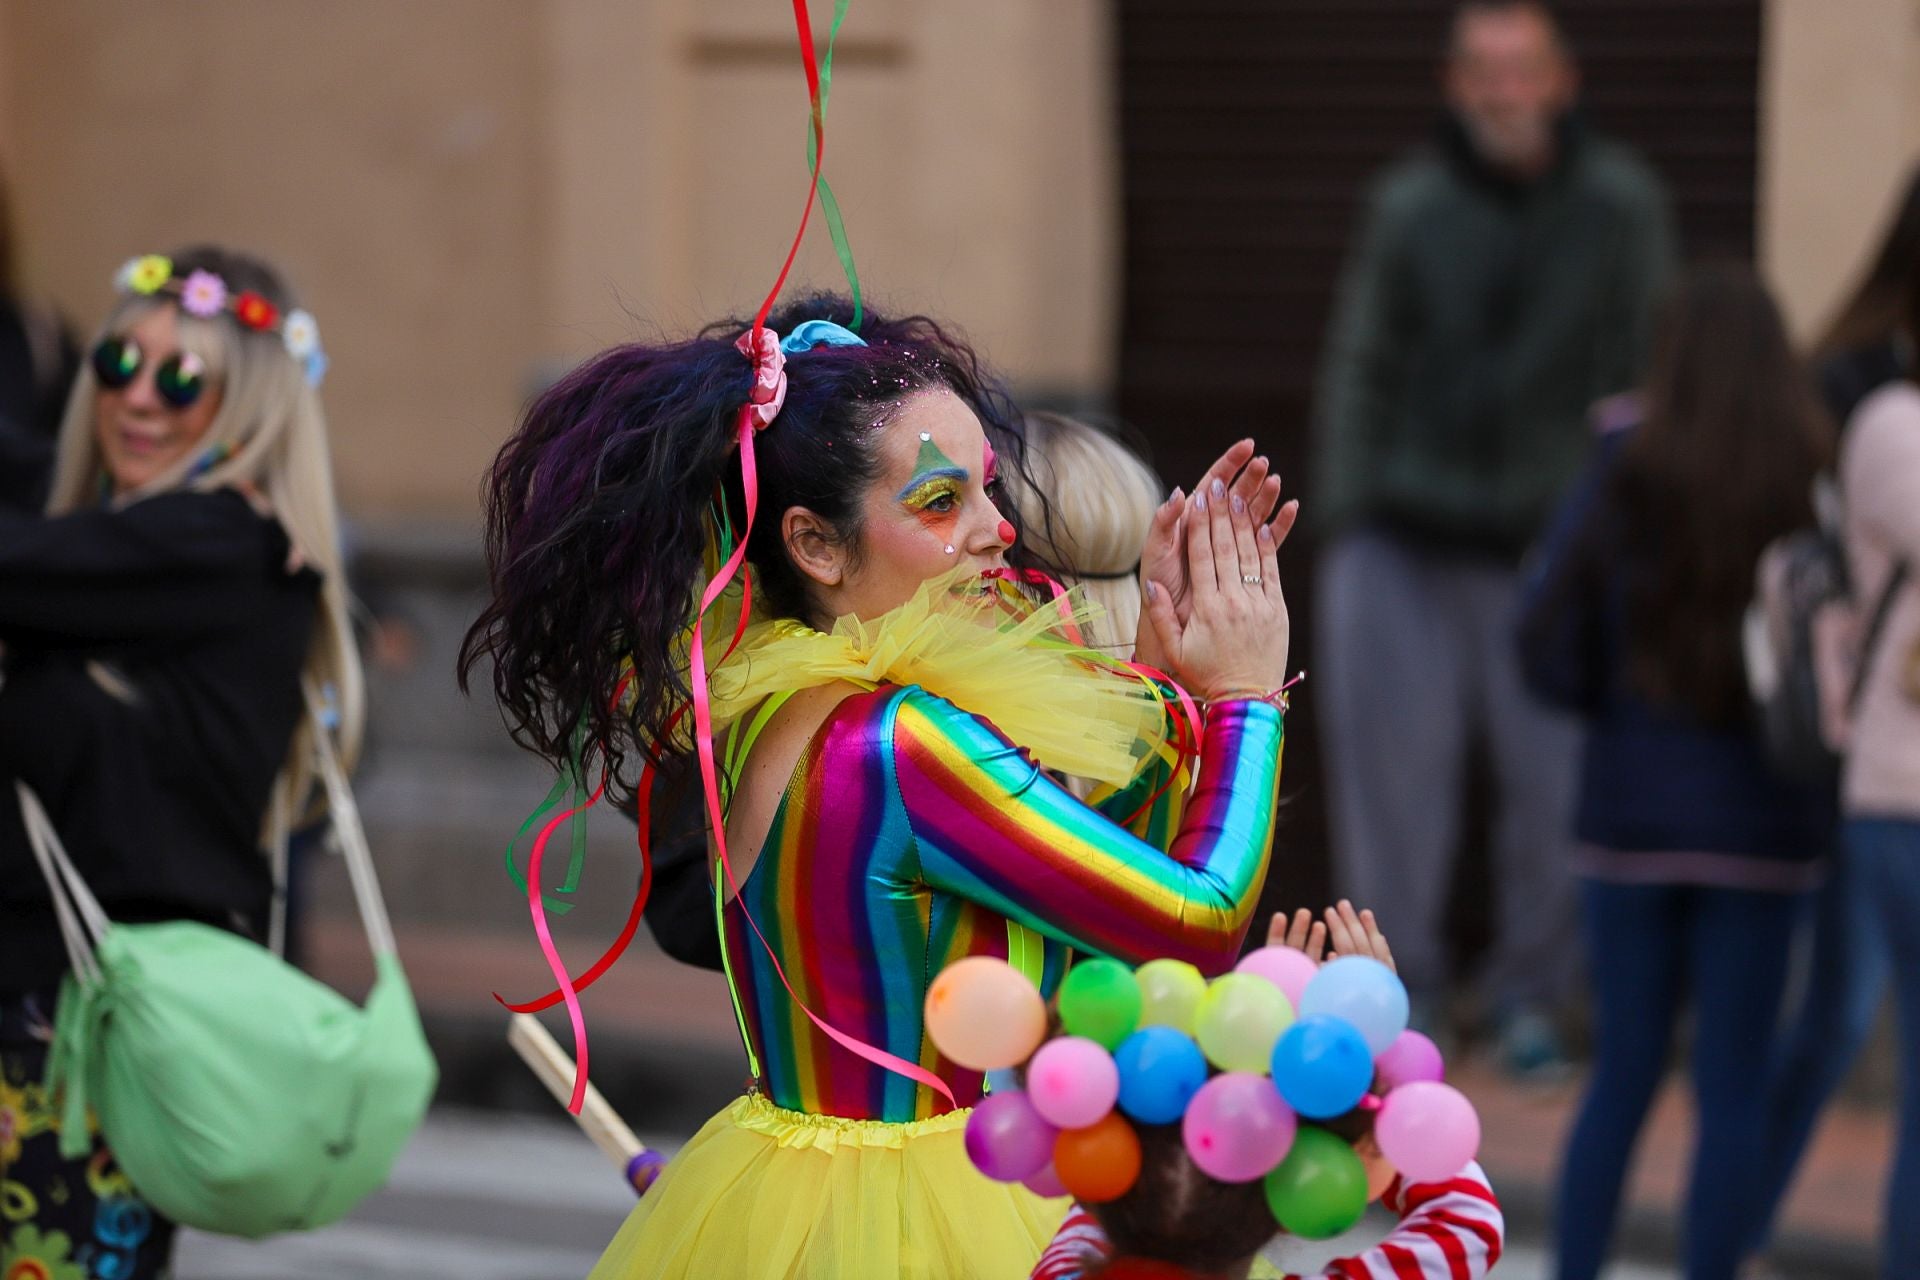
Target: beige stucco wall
469, 191
1840, 132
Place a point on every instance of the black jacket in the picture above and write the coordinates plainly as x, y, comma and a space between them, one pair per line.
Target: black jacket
679, 909
1476, 322
152, 661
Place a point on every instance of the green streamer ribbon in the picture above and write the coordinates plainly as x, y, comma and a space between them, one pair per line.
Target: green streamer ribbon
569, 786
830, 207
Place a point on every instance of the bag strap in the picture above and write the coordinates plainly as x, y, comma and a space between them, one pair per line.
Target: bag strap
1875, 625
82, 922
349, 831
279, 837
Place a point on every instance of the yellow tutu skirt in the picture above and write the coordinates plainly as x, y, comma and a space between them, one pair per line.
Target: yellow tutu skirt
763, 1193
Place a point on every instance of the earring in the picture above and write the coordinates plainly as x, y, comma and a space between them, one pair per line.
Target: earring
949, 548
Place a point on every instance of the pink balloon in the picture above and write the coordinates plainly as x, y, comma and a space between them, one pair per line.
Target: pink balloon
1073, 1082
1237, 1128
1284, 967
1427, 1130
1046, 1183
1410, 1059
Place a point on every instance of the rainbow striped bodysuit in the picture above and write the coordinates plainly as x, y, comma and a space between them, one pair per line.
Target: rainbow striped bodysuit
912, 832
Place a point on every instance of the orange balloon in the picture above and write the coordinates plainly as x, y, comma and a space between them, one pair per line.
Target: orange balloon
984, 1014
1100, 1162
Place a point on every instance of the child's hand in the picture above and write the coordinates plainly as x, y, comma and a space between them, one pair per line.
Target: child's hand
1302, 933
1356, 934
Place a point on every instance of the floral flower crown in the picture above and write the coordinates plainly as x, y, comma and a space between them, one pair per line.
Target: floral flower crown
204, 294
1252, 1066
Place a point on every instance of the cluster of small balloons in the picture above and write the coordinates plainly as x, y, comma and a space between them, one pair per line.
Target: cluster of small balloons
1239, 1063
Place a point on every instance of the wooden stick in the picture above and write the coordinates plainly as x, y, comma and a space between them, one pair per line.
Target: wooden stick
550, 1062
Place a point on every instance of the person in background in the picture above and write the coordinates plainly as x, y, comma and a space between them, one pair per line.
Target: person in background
158, 623
1503, 280
1101, 498
1868, 344
37, 362
1880, 782
1694, 855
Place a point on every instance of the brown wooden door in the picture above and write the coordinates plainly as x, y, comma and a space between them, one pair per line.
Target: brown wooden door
1249, 128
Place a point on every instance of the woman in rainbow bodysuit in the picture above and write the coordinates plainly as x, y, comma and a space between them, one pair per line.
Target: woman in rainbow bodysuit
880, 734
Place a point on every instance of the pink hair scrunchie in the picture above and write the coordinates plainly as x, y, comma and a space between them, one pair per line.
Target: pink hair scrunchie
769, 375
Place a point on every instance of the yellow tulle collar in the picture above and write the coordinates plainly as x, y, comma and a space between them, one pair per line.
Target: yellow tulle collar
1017, 665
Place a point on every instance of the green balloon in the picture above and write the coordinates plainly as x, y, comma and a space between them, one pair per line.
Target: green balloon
1170, 992
1320, 1189
1100, 999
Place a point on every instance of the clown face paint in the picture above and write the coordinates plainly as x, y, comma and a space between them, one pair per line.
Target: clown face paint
926, 513
934, 494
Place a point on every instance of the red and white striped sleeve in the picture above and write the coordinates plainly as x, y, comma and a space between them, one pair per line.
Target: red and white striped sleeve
1450, 1230
1077, 1245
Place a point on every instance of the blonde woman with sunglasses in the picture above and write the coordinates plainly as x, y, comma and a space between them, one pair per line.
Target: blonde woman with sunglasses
156, 625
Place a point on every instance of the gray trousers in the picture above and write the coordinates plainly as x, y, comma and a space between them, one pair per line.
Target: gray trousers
1415, 661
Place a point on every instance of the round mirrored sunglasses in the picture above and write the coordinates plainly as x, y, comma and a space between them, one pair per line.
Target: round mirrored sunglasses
180, 378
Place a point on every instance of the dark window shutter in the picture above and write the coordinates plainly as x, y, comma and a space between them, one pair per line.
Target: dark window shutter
1249, 129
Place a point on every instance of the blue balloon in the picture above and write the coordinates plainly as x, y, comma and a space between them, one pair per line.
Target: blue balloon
1322, 1067
1363, 993
1160, 1071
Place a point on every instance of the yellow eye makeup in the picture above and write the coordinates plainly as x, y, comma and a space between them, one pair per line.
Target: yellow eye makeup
935, 476
928, 488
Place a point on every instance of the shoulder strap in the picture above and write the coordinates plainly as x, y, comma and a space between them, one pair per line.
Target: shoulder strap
82, 921
279, 837
1876, 623
345, 815
744, 737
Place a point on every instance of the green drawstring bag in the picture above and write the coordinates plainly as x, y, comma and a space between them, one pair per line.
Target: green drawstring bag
238, 1095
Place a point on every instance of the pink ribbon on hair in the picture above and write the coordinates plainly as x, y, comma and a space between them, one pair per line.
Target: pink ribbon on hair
762, 346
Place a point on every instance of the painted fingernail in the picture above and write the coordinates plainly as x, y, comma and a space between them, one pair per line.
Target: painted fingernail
1266, 533
1179, 493
1199, 502
1239, 505
1219, 488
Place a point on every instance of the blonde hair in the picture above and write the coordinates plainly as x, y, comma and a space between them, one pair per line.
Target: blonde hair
1102, 498
268, 435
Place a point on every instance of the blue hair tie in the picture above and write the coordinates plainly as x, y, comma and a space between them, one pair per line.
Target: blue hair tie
809, 334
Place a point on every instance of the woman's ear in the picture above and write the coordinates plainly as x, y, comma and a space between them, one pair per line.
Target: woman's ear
812, 546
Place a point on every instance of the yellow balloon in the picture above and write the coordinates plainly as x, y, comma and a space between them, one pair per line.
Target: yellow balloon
1239, 1020
1170, 993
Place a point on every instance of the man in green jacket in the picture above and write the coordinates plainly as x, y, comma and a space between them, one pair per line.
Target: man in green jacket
1503, 282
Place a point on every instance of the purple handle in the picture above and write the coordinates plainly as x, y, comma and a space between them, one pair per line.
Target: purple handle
643, 1169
